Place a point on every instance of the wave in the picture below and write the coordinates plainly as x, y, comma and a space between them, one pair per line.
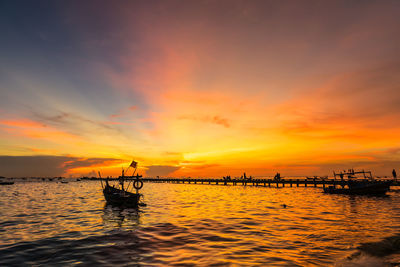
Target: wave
373, 254
362, 260
385, 247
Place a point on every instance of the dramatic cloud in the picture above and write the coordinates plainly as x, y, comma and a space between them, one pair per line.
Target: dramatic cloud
46, 166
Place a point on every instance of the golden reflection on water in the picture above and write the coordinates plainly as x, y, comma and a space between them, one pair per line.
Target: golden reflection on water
205, 224
312, 223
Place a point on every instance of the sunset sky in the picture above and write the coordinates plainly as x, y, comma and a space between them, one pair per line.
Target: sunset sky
199, 88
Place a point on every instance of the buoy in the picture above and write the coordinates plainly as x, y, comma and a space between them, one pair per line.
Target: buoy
137, 184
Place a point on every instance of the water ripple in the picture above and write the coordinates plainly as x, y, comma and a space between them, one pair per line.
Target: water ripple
202, 225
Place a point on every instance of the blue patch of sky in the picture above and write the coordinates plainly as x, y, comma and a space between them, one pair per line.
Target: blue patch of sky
57, 53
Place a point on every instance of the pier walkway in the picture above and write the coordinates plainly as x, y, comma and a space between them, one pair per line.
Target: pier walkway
255, 182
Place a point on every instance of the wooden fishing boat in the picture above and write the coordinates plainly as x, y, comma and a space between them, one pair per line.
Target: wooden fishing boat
118, 195
356, 186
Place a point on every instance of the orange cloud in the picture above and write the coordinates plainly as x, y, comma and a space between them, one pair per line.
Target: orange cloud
36, 130
85, 166
124, 112
22, 123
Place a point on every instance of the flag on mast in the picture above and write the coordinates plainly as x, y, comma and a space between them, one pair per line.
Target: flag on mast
133, 164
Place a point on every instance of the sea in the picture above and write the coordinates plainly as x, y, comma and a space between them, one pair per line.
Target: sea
48, 223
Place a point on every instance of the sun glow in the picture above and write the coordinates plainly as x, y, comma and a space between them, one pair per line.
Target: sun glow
189, 94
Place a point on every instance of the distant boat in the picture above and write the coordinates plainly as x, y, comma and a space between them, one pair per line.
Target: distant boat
356, 186
119, 195
64, 182
6, 183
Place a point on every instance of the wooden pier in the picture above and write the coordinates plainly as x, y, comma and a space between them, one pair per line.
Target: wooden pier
254, 182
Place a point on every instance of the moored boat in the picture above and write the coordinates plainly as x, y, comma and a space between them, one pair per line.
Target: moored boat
356, 186
119, 195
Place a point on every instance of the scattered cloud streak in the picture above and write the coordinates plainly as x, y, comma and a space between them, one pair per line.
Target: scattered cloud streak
36, 130
160, 170
208, 119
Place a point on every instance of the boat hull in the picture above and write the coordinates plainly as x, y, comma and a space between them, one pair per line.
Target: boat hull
117, 197
361, 188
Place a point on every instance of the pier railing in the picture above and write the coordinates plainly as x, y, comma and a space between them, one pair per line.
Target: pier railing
254, 182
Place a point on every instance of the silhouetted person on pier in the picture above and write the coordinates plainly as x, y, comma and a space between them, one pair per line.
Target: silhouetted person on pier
277, 176
342, 179
244, 176
394, 174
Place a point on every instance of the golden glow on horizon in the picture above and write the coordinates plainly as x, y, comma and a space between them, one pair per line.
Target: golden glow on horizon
205, 94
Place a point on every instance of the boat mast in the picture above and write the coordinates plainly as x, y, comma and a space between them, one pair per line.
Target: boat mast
101, 180
121, 180
135, 164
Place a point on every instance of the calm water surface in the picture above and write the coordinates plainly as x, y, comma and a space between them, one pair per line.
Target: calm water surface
49, 223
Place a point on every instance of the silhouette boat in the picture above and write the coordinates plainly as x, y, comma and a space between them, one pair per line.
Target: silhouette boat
6, 183
354, 185
118, 195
